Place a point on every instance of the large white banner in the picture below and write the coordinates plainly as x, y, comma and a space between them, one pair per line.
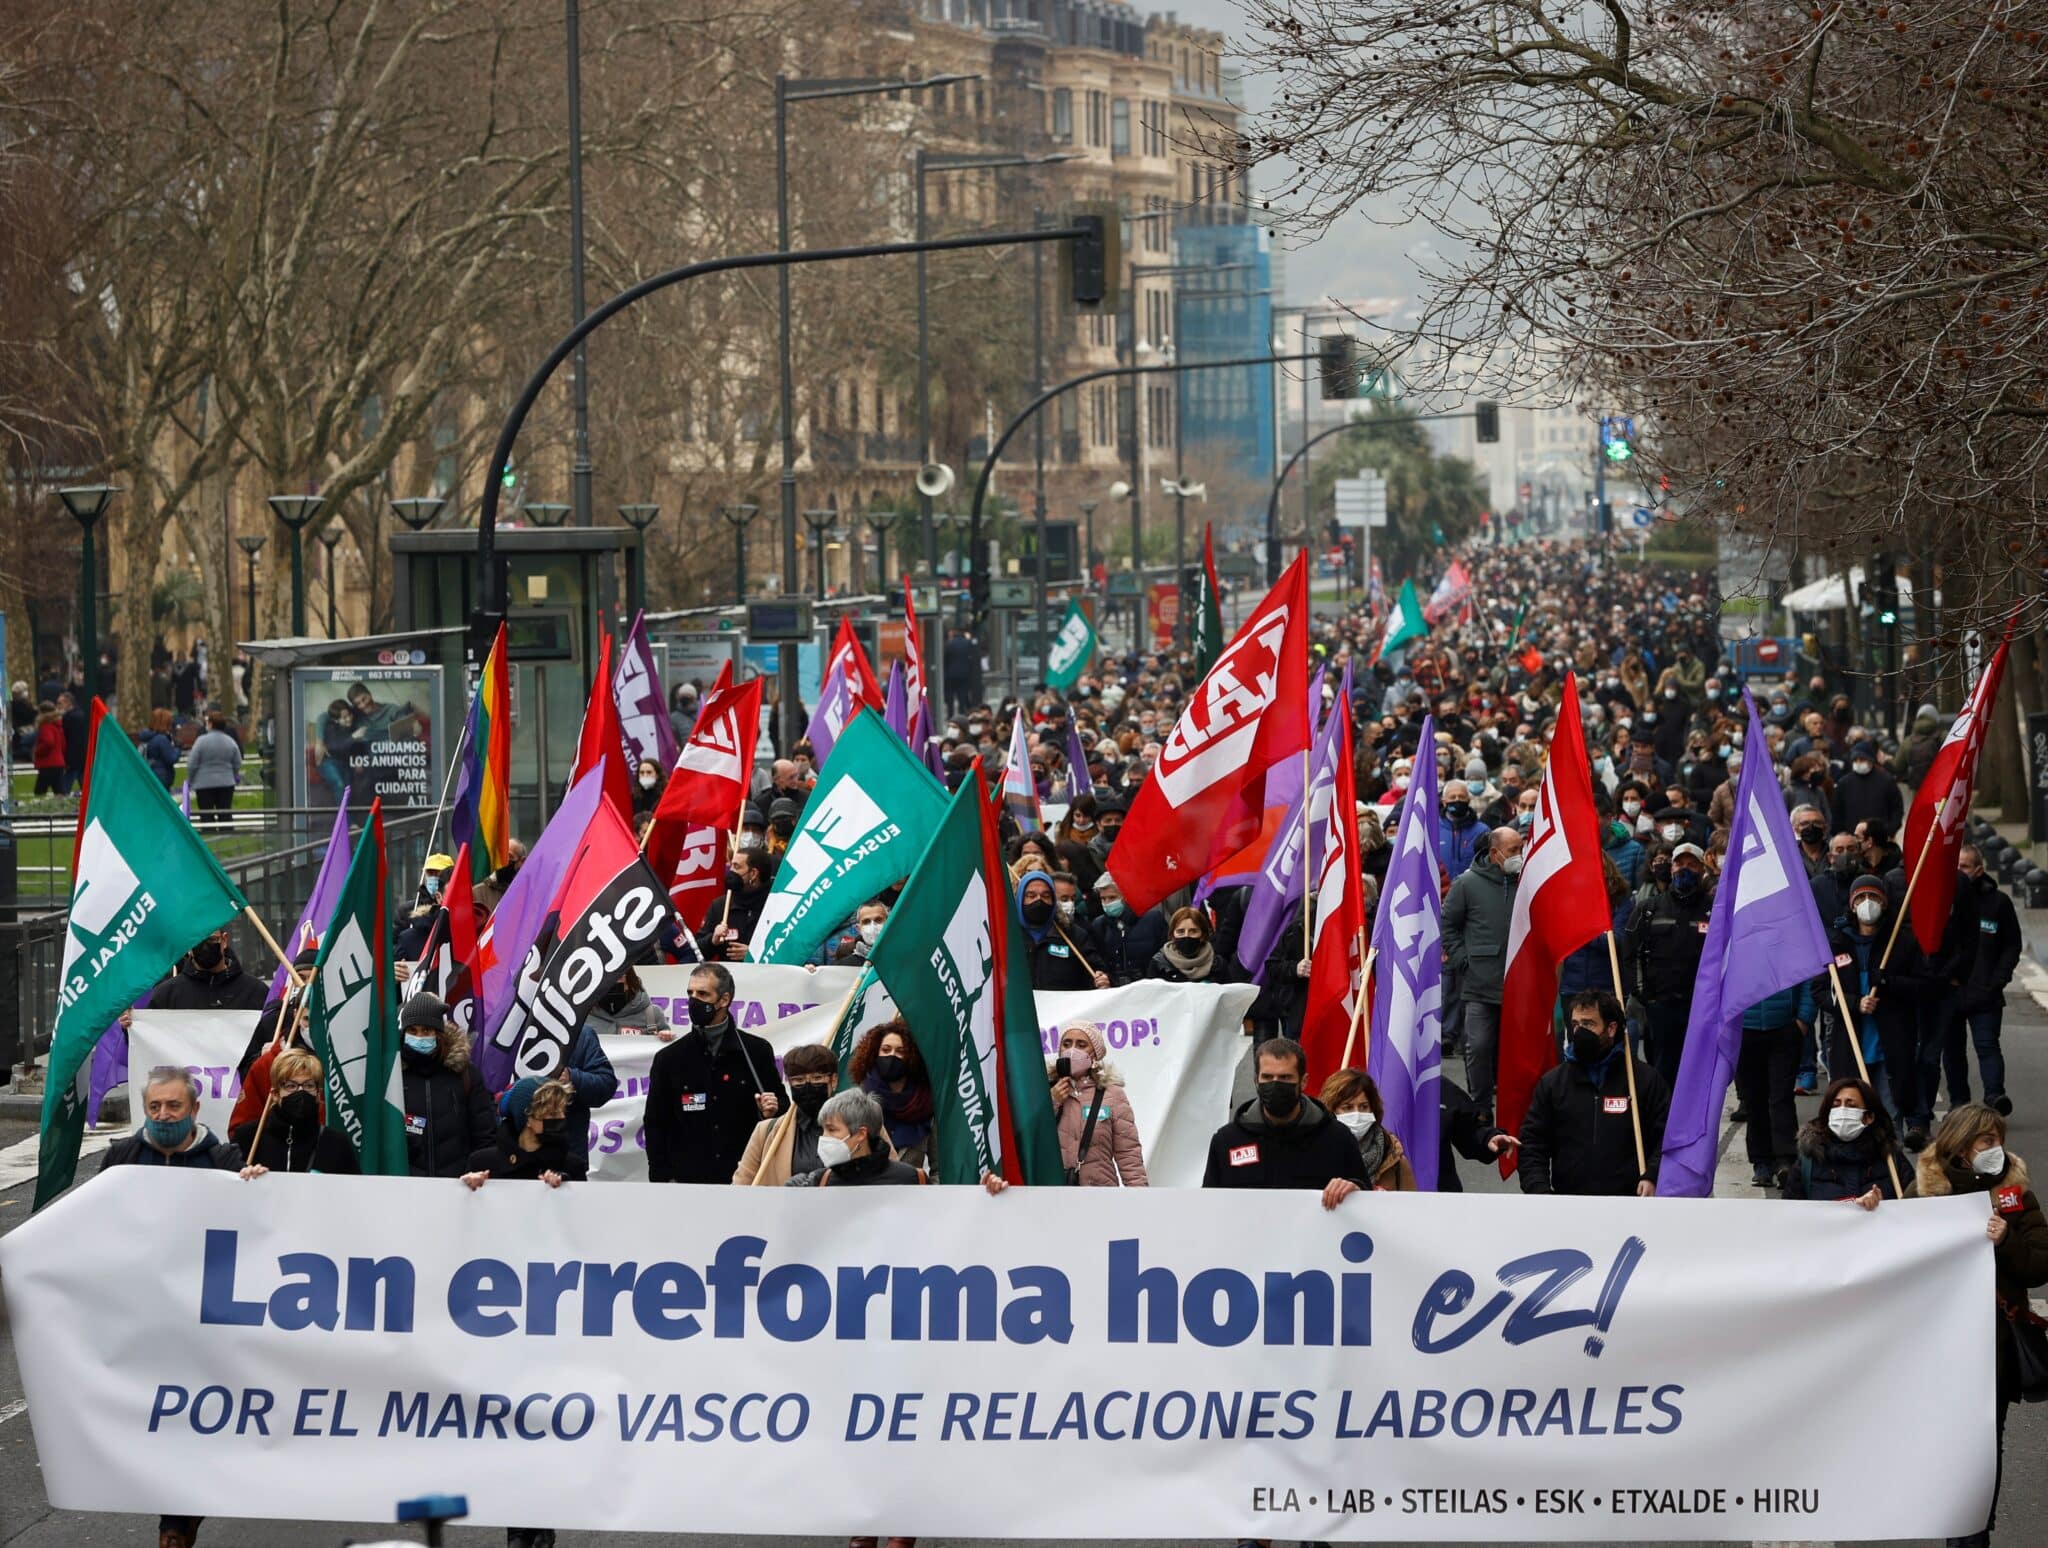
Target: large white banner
208, 1043
1176, 1046
927, 1361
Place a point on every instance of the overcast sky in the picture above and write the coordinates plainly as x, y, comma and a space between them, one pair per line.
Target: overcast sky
1357, 258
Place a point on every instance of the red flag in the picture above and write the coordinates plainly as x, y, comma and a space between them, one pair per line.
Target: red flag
459, 983
709, 783
92, 742
1335, 961
602, 742
1949, 779
724, 679
696, 878
914, 680
1560, 904
1205, 797
860, 672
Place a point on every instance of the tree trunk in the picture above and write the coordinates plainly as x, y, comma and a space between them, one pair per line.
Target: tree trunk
139, 526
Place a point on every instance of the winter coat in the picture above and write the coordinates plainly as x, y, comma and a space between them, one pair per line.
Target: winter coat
161, 754
1115, 1152
592, 1083
1055, 964
1901, 988
1123, 947
1577, 1137
1872, 797
1458, 847
770, 1157
1777, 1011
1627, 856
49, 748
282, 1150
745, 912
1476, 919
2020, 1262
872, 1170
1251, 1151
1386, 1162
1464, 1126
1829, 1168
228, 987
1589, 967
1167, 968
449, 1114
214, 762
207, 1153
637, 1014
1665, 938
502, 1157
701, 1110
77, 732
1982, 944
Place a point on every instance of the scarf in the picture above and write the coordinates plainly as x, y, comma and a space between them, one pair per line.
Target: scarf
1372, 1150
906, 1108
1195, 967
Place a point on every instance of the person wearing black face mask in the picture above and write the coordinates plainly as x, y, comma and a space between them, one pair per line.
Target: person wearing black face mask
1579, 1134
1283, 1137
1056, 952
746, 884
1811, 829
708, 1089
1665, 938
528, 1146
292, 1136
787, 1146
210, 978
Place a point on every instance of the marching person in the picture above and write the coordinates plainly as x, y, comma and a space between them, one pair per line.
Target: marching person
449, 1115
1285, 1138
1847, 1149
1189, 956
1464, 1129
1578, 1136
1123, 942
1887, 1001
888, 1067
295, 1136
531, 1142
854, 1153
746, 884
1477, 913
429, 908
210, 977
1099, 1142
1354, 1101
592, 1082
1056, 962
1968, 1155
625, 1010
170, 1133
787, 1145
708, 1089
1666, 935
1985, 933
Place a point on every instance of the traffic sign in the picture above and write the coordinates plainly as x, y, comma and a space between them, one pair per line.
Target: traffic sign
1643, 516
1011, 594
1361, 501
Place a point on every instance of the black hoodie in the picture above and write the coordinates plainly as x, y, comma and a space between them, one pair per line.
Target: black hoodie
1251, 1151
227, 987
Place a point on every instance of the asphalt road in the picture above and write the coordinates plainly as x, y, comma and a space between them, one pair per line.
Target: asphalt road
27, 1521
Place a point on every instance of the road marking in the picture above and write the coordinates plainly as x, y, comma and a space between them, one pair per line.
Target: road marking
2034, 979
18, 1161
14, 1410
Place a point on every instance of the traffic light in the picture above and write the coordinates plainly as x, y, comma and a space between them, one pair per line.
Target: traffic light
1337, 361
1486, 417
509, 479
1095, 257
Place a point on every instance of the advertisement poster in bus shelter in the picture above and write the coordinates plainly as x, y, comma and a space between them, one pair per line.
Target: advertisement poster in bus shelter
368, 732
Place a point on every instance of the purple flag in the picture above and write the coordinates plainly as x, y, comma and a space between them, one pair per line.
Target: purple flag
925, 743
516, 922
319, 907
643, 717
110, 1066
185, 800
837, 701
1405, 1053
1276, 891
1764, 937
1020, 784
896, 704
1315, 700
1078, 781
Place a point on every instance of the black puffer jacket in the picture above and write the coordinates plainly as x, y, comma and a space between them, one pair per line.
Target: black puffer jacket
1251, 1151
1578, 1137
1829, 1168
449, 1115
1665, 938
228, 987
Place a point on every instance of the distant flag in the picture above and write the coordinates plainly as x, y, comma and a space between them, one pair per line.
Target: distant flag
482, 813
185, 801
1079, 782
1072, 650
917, 683
1276, 890
715, 770
1207, 638
837, 701
849, 656
1763, 936
447, 966
1376, 587
896, 703
1336, 955
643, 716
312, 921
1020, 786
1949, 781
1451, 593
601, 746
92, 740
1405, 1056
1404, 623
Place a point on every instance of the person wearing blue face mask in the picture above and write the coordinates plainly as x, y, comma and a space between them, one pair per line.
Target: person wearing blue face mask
1665, 939
171, 1133
1123, 942
448, 1110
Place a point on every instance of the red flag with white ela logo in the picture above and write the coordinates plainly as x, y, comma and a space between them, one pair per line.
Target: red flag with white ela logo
1205, 796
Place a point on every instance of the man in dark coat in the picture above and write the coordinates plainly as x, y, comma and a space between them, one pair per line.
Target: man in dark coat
1121, 943
1579, 1135
1665, 938
210, 977
746, 884
1980, 951
1867, 792
171, 1133
1477, 914
1285, 1138
707, 1089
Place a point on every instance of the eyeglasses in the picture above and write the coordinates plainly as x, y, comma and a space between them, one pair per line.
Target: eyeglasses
293, 1087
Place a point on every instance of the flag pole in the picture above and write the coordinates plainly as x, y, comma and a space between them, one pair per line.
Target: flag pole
1933, 827
447, 780
732, 849
1852, 1031
249, 913
1358, 1013
1628, 1063
1062, 931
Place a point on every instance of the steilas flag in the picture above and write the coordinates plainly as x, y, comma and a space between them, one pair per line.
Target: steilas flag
1948, 782
1205, 797
1560, 904
849, 656
1336, 960
602, 744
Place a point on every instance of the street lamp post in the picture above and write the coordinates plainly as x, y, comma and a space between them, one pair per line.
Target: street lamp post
251, 544
295, 511
1088, 541
882, 519
330, 539
738, 516
818, 521
419, 512
87, 504
546, 513
639, 518
580, 467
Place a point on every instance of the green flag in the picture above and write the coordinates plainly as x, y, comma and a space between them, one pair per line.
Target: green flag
867, 1007
1073, 648
1405, 623
146, 889
954, 960
873, 811
351, 1020
1208, 619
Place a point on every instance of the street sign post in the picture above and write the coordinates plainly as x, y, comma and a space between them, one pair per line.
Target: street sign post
1361, 501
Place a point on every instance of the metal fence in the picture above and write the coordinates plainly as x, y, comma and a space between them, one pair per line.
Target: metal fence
273, 856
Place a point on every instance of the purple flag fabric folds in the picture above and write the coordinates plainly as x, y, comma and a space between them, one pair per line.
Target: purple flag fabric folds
896, 703
1405, 1058
1276, 890
319, 907
1078, 780
1764, 936
837, 701
643, 716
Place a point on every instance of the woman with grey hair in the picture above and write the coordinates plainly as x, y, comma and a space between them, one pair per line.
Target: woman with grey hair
853, 1147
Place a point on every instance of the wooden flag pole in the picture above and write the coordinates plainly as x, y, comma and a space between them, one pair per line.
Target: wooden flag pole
270, 940
732, 848
1628, 1062
1358, 1013
1307, 776
1852, 1029
1062, 931
1933, 827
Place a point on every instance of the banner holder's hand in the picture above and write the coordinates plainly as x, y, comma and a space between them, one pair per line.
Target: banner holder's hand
993, 1183
1339, 1189
251, 1173
475, 1180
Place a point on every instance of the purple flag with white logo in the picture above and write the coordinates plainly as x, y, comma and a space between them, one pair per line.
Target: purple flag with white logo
896, 703
517, 921
1764, 936
837, 701
1079, 782
1405, 1058
1276, 890
320, 903
643, 716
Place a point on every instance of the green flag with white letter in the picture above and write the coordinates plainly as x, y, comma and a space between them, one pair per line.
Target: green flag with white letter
147, 889
351, 1017
1073, 648
953, 958
1404, 623
872, 812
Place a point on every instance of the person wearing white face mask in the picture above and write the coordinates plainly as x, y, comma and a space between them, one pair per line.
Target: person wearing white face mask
1887, 997
1354, 1101
647, 783
1969, 1156
1099, 1141
851, 950
1847, 1150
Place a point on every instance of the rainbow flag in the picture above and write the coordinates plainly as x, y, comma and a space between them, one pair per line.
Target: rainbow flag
483, 786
